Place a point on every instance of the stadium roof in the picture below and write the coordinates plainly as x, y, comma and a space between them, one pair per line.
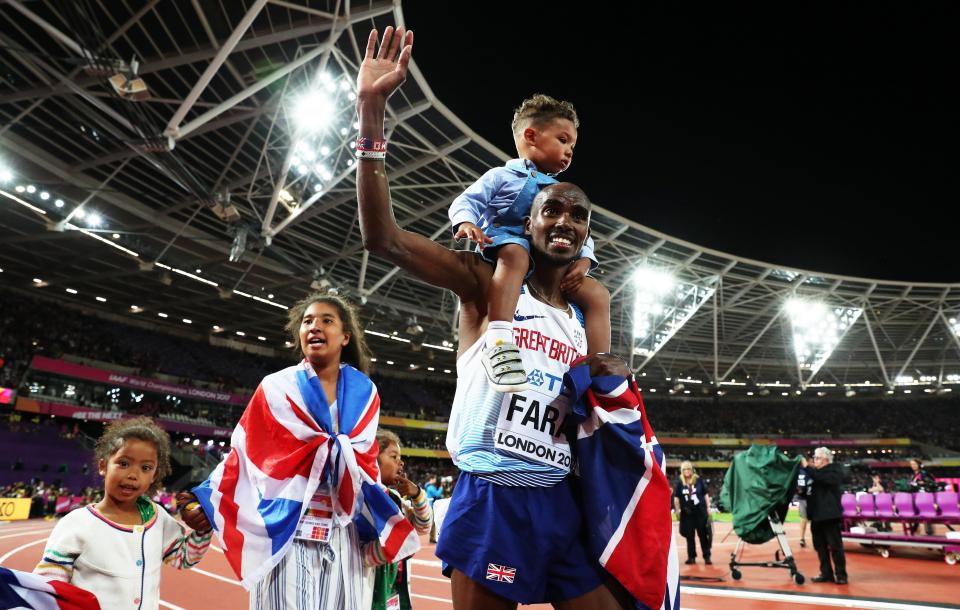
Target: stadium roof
227, 127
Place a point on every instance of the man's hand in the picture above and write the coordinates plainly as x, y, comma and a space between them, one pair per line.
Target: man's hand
607, 365
191, 512
803, 461
405, 487
468, 230
382, 74
573, 278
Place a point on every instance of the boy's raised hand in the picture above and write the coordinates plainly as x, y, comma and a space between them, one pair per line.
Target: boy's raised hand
382, 73
472, 232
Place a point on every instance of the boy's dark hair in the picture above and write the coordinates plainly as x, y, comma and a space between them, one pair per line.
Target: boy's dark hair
356, 353
540, 109
140, 428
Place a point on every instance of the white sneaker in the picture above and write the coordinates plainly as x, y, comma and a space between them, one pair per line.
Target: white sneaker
505, 368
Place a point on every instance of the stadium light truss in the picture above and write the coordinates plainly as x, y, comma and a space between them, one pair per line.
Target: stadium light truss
663, 303
817, 330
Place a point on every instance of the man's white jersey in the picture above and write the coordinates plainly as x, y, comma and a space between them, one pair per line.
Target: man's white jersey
517, 439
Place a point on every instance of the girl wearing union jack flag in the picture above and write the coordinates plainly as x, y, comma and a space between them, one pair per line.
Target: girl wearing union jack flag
302, 473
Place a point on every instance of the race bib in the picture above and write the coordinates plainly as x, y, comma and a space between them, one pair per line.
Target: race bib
393, 602
530, 425
316, 523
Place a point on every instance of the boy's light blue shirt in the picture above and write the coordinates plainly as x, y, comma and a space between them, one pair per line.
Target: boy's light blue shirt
488, 198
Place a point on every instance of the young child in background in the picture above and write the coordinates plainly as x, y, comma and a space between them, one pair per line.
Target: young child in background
115, 548
493, 211
390, 582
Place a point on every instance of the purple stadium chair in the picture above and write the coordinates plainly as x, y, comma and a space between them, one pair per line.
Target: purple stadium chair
868, 506
885, 507
849, 503
925, 506
904, 503
948, 503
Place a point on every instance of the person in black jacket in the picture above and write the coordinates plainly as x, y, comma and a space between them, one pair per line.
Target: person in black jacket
826, 515
693, 508
920, 478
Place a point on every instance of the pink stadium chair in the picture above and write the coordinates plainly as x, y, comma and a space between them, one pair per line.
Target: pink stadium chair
904, 503
925, 506
868, 506
849, 503
885, 509
948, 503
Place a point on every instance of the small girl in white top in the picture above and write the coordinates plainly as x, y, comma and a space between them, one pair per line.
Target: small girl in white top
115, 548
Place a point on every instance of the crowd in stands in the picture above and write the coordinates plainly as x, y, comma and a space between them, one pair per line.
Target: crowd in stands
421, 399
422, 470
43, 496
932, 420
97, 396
415, 438
26, 330
33, 326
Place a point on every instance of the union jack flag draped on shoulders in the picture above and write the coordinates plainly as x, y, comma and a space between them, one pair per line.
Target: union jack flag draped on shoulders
23, 590
626, 496
284, 446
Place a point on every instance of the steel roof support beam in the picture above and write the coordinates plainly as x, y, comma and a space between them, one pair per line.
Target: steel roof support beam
916, 347
876, 348
173, 127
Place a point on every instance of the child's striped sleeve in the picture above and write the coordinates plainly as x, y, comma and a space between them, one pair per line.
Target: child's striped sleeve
422, 513
56, 564
187, 551
63, 548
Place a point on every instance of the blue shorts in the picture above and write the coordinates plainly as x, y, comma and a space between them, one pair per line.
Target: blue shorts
501, 236
523, 543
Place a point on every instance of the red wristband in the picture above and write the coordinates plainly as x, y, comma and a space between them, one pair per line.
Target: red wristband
371, 145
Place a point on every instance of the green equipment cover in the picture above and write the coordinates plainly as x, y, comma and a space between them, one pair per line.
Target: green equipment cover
759, 481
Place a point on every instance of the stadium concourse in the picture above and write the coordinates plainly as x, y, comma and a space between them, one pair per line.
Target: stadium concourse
166, 194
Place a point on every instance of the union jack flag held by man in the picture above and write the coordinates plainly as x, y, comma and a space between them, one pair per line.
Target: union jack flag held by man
626, 496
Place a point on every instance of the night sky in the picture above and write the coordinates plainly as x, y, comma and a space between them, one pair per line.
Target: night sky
819, 136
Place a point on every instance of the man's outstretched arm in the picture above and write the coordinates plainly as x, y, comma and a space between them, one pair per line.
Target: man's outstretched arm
382, 73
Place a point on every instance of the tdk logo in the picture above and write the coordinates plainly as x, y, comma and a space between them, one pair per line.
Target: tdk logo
539, 379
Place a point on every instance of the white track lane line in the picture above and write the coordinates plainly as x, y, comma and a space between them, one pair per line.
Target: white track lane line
426, 562
14, 527
842, 602
446, 580
436, 599
12, 552
24, 533
171, 606
217, 576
